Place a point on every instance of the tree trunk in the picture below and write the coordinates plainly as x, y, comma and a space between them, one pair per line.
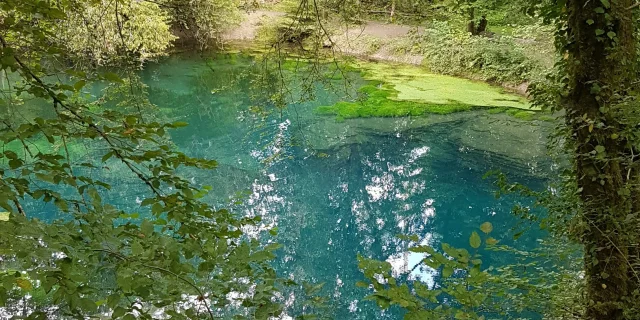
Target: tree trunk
471, 24
482, 26
393, 10
600, 64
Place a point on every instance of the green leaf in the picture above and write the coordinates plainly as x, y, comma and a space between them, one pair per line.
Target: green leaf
24, 284
15, 163
79, 85
491, 241
447, 271
118, 312
599, 149
475, 240
611, 34
88, 305
129, 316
146, 227
107, 156
157, 208
486, 227
599, 10
590, 22
179, 124
518, 235
599, 32
4, 216
113, 300
273, 247
147, 201
461, 315
110, 76
606, 3
136, 248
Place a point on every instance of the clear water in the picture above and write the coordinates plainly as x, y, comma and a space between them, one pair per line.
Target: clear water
335, 189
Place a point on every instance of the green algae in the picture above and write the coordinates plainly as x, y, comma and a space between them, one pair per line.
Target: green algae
523, 114
416, 84
401, 90
378, 99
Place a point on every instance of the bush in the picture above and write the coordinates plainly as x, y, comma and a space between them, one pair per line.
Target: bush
453, 51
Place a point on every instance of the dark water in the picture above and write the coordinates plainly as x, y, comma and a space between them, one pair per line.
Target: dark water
335, 189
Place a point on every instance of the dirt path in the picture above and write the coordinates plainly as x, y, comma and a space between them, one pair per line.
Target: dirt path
251, 22
386, 30
372, 40
378, 41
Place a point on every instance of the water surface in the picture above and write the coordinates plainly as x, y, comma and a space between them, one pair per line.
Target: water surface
335, 189
338, 188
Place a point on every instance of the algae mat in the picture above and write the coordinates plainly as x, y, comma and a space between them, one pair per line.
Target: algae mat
417, 84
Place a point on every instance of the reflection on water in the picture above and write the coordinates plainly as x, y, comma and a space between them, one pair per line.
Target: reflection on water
335, 189
338, 189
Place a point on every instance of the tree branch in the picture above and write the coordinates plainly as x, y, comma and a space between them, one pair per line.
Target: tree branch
181, 278
80, 118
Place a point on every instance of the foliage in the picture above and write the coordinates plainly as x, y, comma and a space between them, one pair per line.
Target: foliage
105, 30
173, 254
451, 51
303, 28
204, 20
98, 33
467, 289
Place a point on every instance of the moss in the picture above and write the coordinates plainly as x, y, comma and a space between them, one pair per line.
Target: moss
546, 117
525, 115
417, 84
400, 90
377, 100
497, 110
512, 112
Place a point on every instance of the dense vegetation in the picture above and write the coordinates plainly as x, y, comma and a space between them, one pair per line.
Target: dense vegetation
183, 258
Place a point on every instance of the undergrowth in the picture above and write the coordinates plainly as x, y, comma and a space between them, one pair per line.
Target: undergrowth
452, 51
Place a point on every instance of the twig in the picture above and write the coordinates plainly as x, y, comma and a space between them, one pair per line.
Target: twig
80, 118
17, 204
185, 280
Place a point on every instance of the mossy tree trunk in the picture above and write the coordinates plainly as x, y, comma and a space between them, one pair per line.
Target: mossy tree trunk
601, 67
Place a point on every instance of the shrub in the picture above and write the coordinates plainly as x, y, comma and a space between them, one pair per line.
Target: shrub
451, 50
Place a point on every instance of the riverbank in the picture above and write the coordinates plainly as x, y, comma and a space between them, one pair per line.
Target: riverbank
511, 61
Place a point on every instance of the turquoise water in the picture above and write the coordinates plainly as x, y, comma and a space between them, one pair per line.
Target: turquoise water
335, 189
